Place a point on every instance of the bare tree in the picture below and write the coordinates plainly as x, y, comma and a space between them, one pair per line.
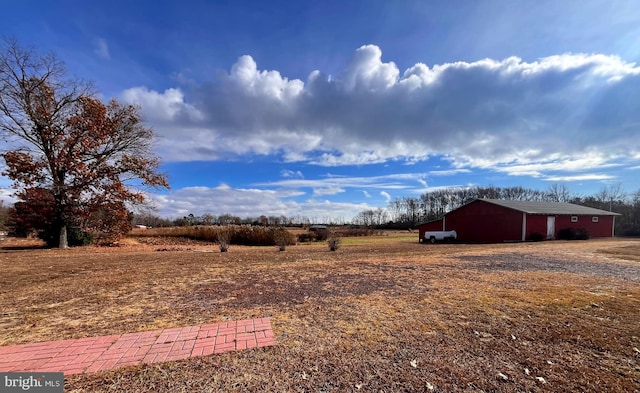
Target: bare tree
559, 193
207, 219
611, 194
635, 211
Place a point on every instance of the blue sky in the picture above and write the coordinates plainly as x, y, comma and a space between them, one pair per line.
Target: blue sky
323, 109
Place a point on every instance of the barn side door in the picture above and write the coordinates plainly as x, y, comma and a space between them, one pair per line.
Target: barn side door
551, 227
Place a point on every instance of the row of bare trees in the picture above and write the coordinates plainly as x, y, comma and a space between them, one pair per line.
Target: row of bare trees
410, 211
151, 220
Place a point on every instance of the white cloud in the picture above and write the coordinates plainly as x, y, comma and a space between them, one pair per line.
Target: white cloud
250, 203
224, 199
386, 196
6, 191
556, 162
584, 177
331, 190
292, 174
366, 194
366, 71
448, 172
101, 49
168, 106
519, 117
389, 182
6, 196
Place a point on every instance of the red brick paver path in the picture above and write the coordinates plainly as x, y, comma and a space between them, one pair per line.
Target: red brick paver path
92, 354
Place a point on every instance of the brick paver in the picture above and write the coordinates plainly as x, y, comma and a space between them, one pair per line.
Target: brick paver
93, 354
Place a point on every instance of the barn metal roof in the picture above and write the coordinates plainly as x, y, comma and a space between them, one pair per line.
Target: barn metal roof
533, 207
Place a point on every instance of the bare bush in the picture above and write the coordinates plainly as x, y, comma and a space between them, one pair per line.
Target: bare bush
224, 237
333, 241
281, 238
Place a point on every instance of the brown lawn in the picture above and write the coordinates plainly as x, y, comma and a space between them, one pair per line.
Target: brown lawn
380, 314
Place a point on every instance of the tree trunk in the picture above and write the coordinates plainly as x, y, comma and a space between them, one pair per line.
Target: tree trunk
63, 242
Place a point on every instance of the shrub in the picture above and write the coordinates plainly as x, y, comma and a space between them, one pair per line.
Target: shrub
288, 237
322, 235
582, 234
76, 237
536, 237
573, 234
224, 236
307, 237
333, 241
314, 236
567, 234
631, 232
281, 238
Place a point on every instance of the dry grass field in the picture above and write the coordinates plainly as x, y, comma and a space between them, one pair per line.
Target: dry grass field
381, 314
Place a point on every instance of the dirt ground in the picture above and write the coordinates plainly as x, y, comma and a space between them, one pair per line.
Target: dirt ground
381, 314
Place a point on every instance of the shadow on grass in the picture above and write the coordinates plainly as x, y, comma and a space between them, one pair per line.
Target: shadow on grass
21, 244
24, 248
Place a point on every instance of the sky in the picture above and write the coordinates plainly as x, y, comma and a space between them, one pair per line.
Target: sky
323, 109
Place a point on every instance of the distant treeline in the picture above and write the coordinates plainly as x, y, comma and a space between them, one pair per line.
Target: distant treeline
151, 220
409, 212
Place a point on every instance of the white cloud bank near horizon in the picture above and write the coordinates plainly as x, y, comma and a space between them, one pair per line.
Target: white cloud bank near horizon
251, 203
287, 196
570, 112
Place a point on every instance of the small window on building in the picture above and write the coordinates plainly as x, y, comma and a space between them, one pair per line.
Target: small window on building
574, 218
594, 219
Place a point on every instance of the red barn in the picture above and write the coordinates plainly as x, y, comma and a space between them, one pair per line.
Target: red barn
496, 221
